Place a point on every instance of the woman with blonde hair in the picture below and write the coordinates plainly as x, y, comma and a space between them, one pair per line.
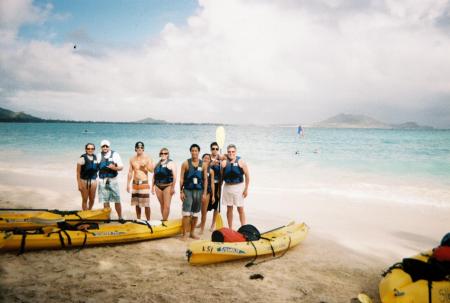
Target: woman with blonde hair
164, 179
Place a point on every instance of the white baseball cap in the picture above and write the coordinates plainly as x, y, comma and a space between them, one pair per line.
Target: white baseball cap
105, 142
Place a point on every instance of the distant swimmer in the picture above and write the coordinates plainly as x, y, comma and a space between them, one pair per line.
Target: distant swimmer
300, 131
297, 152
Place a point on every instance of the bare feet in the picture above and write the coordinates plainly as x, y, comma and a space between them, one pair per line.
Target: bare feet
193, 236
184, 237
201, 231
211, 229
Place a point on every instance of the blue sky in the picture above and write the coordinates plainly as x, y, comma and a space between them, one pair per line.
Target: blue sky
118, 22
230, 61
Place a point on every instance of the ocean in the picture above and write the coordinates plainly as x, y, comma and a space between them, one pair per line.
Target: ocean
408, 166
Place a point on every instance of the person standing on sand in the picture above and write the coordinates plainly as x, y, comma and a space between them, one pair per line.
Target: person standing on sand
140, 165
234, 191
193, 186
214, 204
108, 186
87, 169
206, 158
164, 180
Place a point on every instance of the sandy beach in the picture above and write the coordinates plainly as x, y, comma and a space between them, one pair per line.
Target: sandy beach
349, 244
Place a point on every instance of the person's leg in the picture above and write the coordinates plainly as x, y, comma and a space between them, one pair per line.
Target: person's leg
186, 226
230, 216
193, 223
138, 211
118, 207
241, 212
114, 196
160, 196
195, 209
84, 195
147, 213
92, 192
106, 205
186, 211
167, 199
205, 203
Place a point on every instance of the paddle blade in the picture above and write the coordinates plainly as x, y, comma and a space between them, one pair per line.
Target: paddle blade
47, 218
219, 222
220, 136
363, 298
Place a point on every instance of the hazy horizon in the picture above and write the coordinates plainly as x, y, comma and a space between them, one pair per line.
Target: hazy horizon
233, 62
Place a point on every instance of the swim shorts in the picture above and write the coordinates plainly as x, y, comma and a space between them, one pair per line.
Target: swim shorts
140, 194
108, 190
192, 202
232, 194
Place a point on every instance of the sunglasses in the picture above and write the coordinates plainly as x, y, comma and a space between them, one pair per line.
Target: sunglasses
231, 151
140, 147
103, 146
214, 148
163, 154
90, 148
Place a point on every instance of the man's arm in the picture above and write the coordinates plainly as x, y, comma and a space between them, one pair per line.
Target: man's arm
213, 185
223, 164
205, 168
183, 169
247, 177
150, 167
130, 176
118, 166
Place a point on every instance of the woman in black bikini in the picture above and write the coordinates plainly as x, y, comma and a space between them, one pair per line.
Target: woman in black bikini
209, 198
164, 179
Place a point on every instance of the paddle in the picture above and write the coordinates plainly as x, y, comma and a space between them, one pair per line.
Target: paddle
277, 228
220, 139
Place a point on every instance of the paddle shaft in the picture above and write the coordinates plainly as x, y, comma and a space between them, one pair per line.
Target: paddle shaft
269, 231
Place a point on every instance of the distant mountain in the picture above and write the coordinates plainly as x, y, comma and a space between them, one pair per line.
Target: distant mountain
361, 121
10, 116
351, 121
411, 125
151, 121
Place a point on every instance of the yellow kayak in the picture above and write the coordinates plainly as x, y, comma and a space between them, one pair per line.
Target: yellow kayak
398, 287
31, 219
88, 234
278, 240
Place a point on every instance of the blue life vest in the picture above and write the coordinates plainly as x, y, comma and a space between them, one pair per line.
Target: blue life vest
105, 171
192, 173
163, 175
216, 169
89, 169
233, 173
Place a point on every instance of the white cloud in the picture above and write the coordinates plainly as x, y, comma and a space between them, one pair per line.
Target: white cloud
243, 61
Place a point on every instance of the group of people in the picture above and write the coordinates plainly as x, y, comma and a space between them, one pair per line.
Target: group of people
201, 181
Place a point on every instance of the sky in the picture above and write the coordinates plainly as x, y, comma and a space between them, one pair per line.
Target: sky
234, 61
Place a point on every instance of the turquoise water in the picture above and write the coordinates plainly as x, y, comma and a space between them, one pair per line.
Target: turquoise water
421, 153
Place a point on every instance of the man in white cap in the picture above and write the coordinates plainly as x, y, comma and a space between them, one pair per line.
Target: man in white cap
108, 187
